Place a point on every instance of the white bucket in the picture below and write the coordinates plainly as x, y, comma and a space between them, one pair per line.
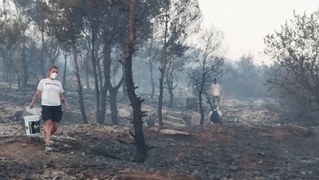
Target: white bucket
32, 124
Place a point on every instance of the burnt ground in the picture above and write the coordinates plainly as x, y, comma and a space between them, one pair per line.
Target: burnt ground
216, 151
212, 152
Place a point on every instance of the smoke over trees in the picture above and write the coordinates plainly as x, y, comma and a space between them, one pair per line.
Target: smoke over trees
295, 49
91, 41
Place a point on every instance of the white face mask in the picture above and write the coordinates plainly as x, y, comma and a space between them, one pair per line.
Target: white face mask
53, 75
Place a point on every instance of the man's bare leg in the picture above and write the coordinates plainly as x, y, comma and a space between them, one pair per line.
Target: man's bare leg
48, 127
54, 127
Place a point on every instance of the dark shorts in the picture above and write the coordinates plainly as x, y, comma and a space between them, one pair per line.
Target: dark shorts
52, 112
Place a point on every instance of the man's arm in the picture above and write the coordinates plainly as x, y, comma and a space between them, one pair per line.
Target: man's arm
63, 100
37, 93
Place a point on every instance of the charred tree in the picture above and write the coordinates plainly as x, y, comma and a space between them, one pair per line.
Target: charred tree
67, 28
136, 102
79, 84
177, 21
113, 100
207, 62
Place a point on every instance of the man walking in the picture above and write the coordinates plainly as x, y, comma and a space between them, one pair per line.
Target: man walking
215, 92
51, 92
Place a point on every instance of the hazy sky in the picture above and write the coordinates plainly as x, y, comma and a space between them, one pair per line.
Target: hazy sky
246, 22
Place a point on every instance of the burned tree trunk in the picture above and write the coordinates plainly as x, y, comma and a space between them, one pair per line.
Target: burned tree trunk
113, 100
136, 102
201, 109
106, 81
80, 91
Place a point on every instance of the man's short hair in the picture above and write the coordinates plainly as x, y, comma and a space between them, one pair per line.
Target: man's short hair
53, 67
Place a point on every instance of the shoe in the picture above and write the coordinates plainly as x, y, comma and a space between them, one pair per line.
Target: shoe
48, 148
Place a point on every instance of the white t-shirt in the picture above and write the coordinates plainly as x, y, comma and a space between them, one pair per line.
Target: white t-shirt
215, 90
51, 90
